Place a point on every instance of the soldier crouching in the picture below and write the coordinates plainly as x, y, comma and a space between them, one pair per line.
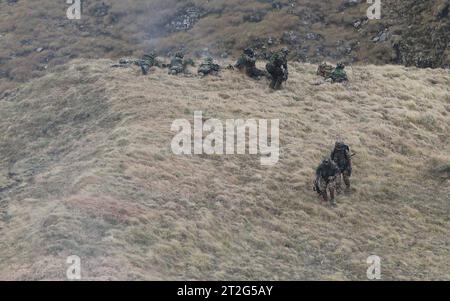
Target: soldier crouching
326, 180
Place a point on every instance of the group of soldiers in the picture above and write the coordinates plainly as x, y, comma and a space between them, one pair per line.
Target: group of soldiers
276, 68
178, 64
332, 171
335, 75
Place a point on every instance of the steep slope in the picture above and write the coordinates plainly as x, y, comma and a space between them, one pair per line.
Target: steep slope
86, 169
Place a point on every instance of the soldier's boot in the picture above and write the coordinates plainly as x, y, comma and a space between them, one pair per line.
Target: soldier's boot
346, 180
277, 85
332, 197
324, 196
338, 185
272, 84
144, 69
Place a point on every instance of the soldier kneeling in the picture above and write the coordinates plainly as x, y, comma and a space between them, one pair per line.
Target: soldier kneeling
326, 176
208, 67
247, 61
177, 64
277, 67
339, 75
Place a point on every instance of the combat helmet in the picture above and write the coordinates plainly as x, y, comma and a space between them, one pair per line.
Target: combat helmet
340, 65
249, 51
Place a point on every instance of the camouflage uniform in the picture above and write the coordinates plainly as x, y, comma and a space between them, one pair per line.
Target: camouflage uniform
326, 176
148, 61
208, 67
278, 69
338, 75
247, 61
343, 159
177, 64
325, 70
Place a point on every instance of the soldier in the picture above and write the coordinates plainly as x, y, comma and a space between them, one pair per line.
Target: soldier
247, 61
324, 70
338, 75
177, 64
148, 61
326, 175
343, 159
278, 69
208, 67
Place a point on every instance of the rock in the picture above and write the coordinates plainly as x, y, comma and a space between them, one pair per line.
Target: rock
277, 5
349, 3
100, 10
313, 36
255, 17
40, 49
382, 36
290, 38
186, 18
360, 22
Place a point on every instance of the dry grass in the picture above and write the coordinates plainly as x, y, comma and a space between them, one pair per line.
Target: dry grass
86, 169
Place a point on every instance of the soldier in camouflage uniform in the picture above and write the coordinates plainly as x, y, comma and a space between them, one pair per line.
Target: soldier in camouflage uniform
177, 64
343, 159
247, 62
339, 75
278, 69
325, 70
148, 61
208, 67
326, 176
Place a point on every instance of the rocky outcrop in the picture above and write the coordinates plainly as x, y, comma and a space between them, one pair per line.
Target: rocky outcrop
424, 39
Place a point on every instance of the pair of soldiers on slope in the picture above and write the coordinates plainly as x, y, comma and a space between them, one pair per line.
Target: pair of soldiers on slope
178, 65
332, 171
336, 75
276, 68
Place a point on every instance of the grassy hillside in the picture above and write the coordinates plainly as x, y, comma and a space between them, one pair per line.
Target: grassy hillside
86, 169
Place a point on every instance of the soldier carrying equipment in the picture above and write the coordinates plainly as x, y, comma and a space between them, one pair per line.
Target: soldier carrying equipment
208, 67
339, 75
343, 159
177, 64
324, 70
278, 68
326, 175
247, 62
147, 61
